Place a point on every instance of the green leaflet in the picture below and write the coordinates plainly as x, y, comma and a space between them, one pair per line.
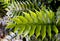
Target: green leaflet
38, 29
25, 5
54, 28
21, 29
34, 16
28, 17
51, 15
37, 12
28, 5
10, 25
48, 13
22, 5
49, 30
16, 28
43, 31
33, 27
40, 17
17, 20
31, 4
44, 17
27, 30
23, 19
16, 5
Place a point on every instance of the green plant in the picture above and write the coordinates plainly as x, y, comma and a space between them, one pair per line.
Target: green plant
38, 22
27, 20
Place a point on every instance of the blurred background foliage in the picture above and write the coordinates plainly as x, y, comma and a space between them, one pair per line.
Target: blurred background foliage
52, 4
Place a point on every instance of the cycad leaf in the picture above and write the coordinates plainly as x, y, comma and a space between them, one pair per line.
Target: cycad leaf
52, 16
44, 17
38, 29
21, 29
28, 5
28, 17
32, 30
22, 5
17, 20
23, 19
40, 16
48, 13
27, 30
55, 29
16, 28
10, 25
49, 30
25, 5
43, 31
16, 6
34, 16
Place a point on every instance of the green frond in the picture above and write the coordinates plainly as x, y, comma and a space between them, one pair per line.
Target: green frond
38, 23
